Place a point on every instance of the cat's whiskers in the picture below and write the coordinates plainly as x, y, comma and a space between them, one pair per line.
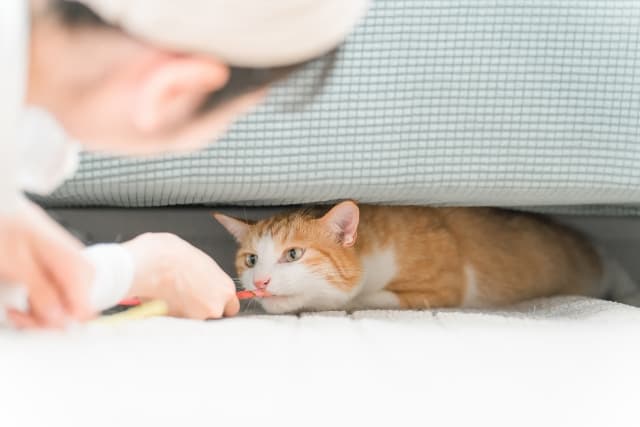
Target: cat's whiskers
251, 301
339, 270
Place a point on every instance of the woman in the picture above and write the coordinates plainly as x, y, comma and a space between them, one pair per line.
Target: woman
132, 78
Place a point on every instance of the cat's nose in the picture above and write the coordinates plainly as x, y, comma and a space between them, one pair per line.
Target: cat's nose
262, 283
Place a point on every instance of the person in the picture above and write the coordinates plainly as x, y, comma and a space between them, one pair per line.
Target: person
132, 78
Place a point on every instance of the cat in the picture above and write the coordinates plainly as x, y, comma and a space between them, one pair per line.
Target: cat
383, 257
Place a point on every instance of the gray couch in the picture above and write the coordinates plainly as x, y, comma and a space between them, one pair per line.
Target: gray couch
532, 106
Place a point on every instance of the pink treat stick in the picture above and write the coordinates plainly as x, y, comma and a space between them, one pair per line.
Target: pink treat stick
252, 294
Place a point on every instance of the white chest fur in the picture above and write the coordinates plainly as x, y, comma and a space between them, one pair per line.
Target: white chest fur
471, 297
380, 268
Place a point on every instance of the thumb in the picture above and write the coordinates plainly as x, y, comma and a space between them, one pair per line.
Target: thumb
233, 307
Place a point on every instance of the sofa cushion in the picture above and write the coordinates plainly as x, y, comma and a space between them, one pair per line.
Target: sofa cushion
440, 102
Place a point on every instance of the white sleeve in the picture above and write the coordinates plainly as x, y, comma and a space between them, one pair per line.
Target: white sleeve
114, 273
14, 48
46, 156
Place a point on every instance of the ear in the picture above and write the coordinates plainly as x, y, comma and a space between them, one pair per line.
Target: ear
237, 228
343, 219
172, 87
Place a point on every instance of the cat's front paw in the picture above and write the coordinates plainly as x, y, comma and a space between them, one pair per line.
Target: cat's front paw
282, 304
382, 300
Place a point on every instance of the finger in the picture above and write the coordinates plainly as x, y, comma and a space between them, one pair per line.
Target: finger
40, 260
46, 305
22, 320
70, 273
62, 255
198, 313
233, 307
73, 283
215, 311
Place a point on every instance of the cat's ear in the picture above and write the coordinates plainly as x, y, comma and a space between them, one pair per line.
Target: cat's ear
343, 220
237, 228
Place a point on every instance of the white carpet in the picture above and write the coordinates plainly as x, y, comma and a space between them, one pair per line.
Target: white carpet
563, 361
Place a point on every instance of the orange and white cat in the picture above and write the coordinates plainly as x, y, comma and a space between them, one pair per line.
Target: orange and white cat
379, 257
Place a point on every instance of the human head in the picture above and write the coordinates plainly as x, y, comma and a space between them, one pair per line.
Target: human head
115, 87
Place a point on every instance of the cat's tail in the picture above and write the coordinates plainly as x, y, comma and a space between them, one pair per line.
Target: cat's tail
616, 282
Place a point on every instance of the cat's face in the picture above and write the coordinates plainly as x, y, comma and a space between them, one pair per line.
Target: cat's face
301, 261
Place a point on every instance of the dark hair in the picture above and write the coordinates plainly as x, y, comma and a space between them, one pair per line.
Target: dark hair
75, 15
242, 80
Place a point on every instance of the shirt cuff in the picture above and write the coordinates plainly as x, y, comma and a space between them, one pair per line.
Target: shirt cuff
114, 273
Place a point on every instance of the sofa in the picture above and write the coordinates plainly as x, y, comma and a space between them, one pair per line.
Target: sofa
523, 105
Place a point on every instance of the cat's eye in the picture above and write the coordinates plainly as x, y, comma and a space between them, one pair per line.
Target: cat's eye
251, 260
293, 254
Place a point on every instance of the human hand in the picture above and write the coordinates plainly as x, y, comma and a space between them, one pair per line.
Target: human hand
189, 281
39, 256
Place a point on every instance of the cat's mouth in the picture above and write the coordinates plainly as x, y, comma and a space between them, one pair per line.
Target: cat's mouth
274, 296
260, 294
249, 294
